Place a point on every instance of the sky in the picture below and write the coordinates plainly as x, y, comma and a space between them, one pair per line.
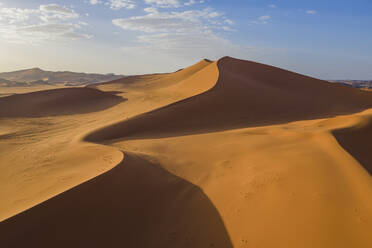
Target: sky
324, 39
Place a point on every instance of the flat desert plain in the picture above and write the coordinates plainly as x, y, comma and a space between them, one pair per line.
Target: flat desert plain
226, 153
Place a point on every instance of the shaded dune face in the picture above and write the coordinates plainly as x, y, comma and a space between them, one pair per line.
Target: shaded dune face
357, 141
57, 102
246, 94
136, 204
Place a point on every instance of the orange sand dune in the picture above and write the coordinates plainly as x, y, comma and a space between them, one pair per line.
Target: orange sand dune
46, 154
56, 102
246, 94
220, 154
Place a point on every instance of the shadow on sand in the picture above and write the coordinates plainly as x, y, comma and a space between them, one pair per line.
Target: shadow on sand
136, 204
357, 142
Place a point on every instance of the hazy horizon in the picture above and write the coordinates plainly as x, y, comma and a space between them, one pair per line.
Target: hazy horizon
323, 40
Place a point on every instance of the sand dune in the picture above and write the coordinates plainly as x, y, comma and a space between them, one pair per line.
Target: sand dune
56, 102
246, 94
220, 154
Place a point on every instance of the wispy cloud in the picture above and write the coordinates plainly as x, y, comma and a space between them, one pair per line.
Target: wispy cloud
261, 20
311, 12
186, 33
172, 3
120, 4
48, 22
131, 4
178, 22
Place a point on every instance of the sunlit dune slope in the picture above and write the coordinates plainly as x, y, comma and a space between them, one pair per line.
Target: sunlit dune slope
153, 81
246, 94
57, 102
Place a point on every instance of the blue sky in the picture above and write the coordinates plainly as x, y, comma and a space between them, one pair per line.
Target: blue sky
324, 39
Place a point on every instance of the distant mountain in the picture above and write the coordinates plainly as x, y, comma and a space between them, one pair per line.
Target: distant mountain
37, 76
365, 84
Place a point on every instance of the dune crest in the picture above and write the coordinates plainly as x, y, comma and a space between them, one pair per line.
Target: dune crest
246, 94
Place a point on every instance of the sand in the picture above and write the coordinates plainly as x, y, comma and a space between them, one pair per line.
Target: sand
221, 154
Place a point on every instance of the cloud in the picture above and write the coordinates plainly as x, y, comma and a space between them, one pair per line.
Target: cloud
228, 21
55, 12
264, 18
164, 3
172, 3
131, 4
48, 22
94, 2
186, 34
120, 4
311, 12
151, 10
261, 20
183, 45
186, 21
273, 6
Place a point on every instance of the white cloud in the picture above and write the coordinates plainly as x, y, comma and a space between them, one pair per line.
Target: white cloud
48, 22
151, 10
192, 2
131, 4
272, 6
185, 33
311, 12
264, 18
94, 2
55, 12
183, 45
186, 21
228, 21
120, 4
172, 3
164, 3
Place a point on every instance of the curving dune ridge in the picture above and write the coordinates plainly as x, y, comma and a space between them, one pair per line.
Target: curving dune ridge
246, 94
229, 153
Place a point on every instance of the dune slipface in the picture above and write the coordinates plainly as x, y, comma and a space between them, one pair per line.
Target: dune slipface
229, 153
357, 141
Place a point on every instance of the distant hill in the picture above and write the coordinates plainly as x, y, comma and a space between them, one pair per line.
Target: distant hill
37, 76
365, 84
8, 83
